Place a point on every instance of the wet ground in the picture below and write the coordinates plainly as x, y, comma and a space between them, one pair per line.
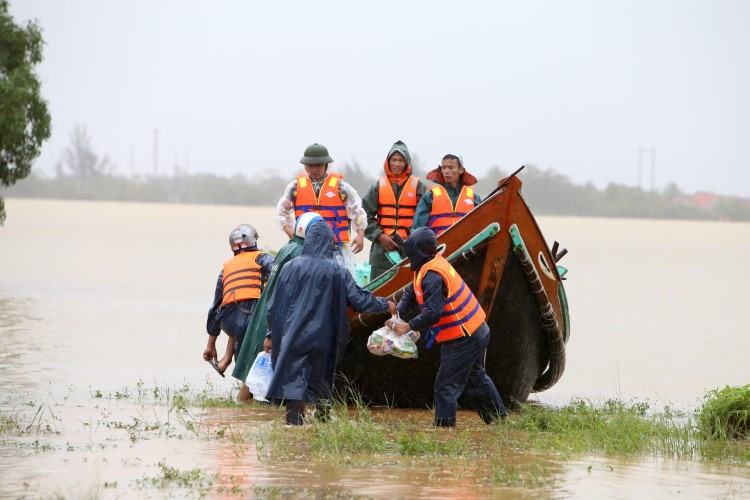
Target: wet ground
114, 302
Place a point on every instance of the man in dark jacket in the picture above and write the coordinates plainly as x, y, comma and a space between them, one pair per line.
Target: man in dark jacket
236, 297
309, 324
452, 315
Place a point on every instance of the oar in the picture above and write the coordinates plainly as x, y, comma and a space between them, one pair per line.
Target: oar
504, 183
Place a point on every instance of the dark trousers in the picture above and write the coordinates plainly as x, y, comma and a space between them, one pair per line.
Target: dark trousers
462, 369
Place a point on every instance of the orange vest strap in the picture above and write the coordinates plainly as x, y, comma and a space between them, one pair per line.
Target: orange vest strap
397, 216
241, 279
462, 313
444, 214
328, 204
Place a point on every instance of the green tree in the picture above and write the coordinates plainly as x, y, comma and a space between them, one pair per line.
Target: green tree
24, 119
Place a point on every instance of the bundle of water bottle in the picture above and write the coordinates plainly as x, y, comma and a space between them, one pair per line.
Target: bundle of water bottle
386, 341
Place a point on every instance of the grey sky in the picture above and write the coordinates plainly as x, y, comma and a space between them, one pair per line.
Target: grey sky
245, 86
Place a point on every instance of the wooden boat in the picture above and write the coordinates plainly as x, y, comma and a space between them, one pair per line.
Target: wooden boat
500, 252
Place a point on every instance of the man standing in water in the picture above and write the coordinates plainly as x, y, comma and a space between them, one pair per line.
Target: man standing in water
255, 335
451, 315
390, 204
327, 194
443, 205
308, 324
238, 289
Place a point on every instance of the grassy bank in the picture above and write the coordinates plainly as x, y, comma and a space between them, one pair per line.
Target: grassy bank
530, 449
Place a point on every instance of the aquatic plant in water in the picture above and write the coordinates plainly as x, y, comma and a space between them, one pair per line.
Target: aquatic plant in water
726, 414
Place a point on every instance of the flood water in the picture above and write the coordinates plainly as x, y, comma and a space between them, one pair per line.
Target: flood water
96, 297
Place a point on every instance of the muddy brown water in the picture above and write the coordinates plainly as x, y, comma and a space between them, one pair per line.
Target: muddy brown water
96, 297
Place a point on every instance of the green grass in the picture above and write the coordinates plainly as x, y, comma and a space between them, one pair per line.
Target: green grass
725, 414
170, 477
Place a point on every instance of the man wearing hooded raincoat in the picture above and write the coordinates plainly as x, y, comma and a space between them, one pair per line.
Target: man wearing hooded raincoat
452, 198
452, 316
309, 324
390, 204
255, 334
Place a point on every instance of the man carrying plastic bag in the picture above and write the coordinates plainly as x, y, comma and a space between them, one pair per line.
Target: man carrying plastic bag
451, 315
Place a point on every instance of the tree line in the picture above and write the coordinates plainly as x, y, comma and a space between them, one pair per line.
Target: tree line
546, 191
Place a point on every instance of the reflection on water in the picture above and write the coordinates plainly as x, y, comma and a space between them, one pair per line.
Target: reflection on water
18, 319
656, 309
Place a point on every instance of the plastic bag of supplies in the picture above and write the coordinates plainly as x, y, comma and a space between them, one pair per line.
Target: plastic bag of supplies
385, 341
260, 376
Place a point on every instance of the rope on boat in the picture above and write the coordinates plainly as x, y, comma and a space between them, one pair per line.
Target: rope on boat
548, 319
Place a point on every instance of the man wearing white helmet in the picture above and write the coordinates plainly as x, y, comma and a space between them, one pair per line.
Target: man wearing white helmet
257, 327
238, 289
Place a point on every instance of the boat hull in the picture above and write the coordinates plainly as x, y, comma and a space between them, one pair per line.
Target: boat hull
512, 273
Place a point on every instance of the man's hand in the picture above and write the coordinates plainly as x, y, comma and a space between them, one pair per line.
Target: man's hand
359, 241
267, 345
387, 242
209, 353
392, 307
398, 326
224, 363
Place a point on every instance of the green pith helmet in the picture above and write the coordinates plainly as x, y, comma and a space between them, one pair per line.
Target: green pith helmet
316, 154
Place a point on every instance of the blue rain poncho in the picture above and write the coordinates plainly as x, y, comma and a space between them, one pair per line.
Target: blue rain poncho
308, 319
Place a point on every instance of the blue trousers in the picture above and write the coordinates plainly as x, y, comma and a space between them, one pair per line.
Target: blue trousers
462, 369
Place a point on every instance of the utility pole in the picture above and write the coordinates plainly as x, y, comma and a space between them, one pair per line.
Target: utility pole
653, 169
640, 168
156, 151
132, 161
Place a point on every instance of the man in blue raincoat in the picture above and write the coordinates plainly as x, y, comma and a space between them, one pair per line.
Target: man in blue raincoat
309, 324
255, 335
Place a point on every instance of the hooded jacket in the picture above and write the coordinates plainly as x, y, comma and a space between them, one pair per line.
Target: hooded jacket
371, 205
308, 319
421, 247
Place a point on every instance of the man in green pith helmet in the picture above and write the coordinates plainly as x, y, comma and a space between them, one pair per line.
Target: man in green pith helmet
390, 204
326, 193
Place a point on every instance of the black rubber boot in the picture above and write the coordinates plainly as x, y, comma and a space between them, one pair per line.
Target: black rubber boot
445, 422
295, 412
323, 411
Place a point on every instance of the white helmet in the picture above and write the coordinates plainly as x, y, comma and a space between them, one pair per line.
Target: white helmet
244, 233
305, 221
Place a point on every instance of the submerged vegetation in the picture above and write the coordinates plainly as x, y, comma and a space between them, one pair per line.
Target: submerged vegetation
529, 449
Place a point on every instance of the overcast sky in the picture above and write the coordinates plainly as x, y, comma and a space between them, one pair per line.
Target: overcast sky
244, 87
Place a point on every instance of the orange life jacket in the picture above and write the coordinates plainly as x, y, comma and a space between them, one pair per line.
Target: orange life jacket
242, 278
328, 204
462, 314
397, 216
444, 214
